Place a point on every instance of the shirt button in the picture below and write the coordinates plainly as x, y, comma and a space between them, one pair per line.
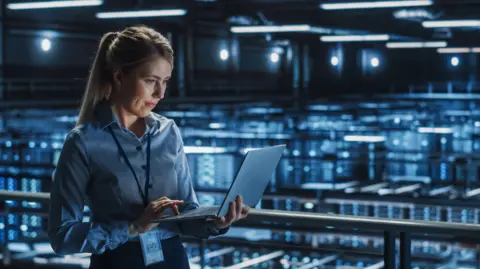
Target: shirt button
144, 167
139, 148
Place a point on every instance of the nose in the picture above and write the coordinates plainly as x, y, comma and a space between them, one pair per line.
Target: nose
159, 91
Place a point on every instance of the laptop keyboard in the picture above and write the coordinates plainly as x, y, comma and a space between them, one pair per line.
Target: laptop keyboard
201, 211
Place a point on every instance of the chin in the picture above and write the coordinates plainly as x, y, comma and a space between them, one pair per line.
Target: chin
144, 113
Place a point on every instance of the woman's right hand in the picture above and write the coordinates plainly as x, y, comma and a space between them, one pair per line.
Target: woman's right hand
155, 210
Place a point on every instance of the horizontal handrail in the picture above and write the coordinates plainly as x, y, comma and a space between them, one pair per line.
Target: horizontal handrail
24, 196
316, 220
319, 220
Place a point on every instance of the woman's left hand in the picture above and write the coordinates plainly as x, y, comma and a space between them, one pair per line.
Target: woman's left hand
236, 212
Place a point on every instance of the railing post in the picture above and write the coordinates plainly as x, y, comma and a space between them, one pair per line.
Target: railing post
405, 251
389, 250
202, 253
6, 252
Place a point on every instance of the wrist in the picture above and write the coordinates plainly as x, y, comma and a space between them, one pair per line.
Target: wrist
133, 229
139, 225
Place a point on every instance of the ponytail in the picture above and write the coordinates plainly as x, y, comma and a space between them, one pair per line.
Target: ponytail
98, 85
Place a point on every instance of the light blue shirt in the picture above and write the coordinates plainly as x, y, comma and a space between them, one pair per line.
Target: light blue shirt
91, 171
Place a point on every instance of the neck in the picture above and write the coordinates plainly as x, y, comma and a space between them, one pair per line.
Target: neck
127, 119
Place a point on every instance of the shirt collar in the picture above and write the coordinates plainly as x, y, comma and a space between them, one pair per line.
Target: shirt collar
106, 117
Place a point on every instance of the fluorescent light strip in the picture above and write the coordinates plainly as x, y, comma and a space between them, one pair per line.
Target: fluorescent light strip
203, 150
321, 262
354, 38
412, 45
458, 50
257, 260
53, 4
141, 13
451, 23
364, 138
271, 29
213, 254
376, 4
435, 130
300, 28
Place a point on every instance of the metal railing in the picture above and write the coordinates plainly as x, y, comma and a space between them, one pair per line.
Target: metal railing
392, 228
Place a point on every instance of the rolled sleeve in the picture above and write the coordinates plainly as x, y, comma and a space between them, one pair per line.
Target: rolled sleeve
66, 231
196, 228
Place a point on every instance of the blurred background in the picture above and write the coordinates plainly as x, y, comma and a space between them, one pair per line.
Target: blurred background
376, 101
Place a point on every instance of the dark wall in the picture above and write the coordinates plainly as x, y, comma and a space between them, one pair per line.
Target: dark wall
249, 67
26, 51
399, 67
67, 57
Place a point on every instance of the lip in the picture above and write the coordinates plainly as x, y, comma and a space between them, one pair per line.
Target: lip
151, 104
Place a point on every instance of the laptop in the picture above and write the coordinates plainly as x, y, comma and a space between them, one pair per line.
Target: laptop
250, 182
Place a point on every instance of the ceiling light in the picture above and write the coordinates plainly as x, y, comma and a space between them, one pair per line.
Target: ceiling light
141, 13
270, 29
411, 45
53, 4
354, 38
413, 14
451, 23
274, 57
46, 44
376, 4
454, 61
300, 28
458, 50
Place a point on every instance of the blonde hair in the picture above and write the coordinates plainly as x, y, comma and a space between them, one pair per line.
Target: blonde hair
125, 50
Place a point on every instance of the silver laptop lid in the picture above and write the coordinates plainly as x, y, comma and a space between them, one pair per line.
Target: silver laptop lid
253, 176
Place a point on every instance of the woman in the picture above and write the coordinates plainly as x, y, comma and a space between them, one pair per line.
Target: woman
127, 164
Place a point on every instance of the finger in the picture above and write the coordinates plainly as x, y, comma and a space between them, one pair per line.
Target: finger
239, 199
174, 207
245, 211
168, 202
220, 221
178, 202
231, 212
239, 204
175, 210
163, 198
164, 205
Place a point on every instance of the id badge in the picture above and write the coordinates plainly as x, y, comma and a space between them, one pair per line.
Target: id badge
151, 247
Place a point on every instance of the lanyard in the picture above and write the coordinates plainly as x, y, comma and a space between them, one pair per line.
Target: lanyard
144, 194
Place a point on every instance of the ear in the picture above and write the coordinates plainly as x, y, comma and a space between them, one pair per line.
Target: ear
117, 77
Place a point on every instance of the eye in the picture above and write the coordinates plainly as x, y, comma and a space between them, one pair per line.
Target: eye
150, 81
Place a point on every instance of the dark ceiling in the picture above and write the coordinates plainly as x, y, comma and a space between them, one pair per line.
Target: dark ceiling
219, 14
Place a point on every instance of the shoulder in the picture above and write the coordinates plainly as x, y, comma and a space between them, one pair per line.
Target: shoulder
74, 143
84, 136
76, 136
